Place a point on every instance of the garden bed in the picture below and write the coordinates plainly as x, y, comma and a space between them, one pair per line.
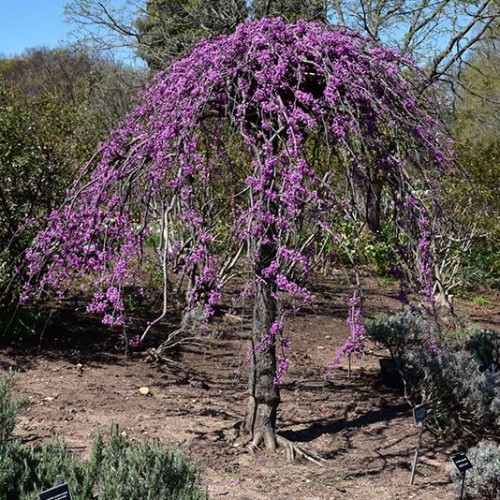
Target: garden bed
363, 429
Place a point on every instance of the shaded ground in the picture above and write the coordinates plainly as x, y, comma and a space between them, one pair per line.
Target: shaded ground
363, 429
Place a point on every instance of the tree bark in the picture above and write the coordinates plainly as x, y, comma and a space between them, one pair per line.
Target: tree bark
373, 204
264, 398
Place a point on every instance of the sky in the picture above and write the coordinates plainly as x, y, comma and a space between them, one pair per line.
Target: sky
31, 23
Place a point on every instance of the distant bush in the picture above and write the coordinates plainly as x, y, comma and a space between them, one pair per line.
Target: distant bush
483, 480
115, 470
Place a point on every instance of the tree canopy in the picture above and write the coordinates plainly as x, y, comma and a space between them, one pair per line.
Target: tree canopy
293, 120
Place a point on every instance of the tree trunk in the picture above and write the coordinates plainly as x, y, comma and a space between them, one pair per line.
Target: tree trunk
260, 418
373, 204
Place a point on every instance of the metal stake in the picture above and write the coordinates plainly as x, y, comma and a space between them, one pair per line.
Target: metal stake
463, 485
414, 468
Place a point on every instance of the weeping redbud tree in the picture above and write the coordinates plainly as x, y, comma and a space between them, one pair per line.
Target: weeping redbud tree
253, 149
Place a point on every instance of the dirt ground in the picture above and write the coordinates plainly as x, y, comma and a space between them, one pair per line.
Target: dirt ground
79, 380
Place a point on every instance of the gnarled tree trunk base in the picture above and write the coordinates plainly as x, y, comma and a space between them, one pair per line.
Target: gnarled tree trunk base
258, 427
259, 424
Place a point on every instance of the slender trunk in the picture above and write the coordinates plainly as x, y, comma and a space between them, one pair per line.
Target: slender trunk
264, 394
264, 398
373, 205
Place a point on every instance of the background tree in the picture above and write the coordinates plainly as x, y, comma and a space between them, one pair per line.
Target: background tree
477, 95
96, 87
310, 109
161, 31
475, 127
439, 35
290, 10
169, 28
55, 106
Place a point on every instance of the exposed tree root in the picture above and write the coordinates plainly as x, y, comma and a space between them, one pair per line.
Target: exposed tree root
293, 451
178, 337
156, 357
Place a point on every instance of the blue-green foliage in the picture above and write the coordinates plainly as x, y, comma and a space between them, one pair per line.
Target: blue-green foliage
463, 398
401, 333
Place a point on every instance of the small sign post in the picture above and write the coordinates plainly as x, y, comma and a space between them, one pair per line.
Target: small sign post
419, 414
60, 492
462, 464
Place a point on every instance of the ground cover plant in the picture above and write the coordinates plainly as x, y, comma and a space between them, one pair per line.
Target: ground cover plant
254, 149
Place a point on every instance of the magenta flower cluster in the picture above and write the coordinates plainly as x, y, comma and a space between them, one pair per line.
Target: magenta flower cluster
355, 341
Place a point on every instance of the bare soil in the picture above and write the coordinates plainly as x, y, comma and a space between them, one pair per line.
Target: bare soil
78, 380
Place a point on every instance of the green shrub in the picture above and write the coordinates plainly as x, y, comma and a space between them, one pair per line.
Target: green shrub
483, 480
44, 467
8, 409
116, 469
146, 471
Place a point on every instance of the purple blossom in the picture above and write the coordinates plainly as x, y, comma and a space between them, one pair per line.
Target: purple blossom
282, 369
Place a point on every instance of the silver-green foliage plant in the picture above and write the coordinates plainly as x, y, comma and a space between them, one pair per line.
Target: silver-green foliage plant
483, 480
462, 397
116, 468
400, 333
484, 345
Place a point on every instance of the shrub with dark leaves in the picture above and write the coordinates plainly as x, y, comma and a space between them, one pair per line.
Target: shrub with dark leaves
485, 346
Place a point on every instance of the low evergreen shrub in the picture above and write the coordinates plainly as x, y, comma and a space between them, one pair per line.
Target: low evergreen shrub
463, 398
483, 480
400, 333
116, 469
